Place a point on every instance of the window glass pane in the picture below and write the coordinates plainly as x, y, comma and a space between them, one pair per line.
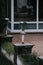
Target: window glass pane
40, 10
40, 25
31, 26
25, 26
9, 9
17, 26
24, 10
9, 25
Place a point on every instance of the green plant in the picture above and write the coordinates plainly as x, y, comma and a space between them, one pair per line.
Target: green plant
4, 60
8, 47
31, 59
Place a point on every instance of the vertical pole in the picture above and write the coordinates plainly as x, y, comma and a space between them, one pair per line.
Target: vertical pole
12, 14
15, 55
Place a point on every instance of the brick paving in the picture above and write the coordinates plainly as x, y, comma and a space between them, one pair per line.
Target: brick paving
36, 39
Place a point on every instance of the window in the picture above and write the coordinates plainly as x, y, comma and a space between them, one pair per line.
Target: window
31, 26
40, 26
25, 26
17, 26
26, 14
25, 10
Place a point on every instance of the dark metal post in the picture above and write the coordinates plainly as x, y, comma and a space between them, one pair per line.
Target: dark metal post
15, 55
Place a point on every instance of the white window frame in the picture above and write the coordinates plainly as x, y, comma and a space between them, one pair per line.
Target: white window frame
26, 30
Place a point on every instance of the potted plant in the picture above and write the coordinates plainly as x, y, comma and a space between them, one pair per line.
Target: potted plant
30, 59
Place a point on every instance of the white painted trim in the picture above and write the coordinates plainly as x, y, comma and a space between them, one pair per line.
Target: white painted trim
31, 22
12, 10
25, 22
41, 30
12, 14
26, 31
40, 22
16, 31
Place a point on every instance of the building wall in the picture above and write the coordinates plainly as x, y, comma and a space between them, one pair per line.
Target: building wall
36, 39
